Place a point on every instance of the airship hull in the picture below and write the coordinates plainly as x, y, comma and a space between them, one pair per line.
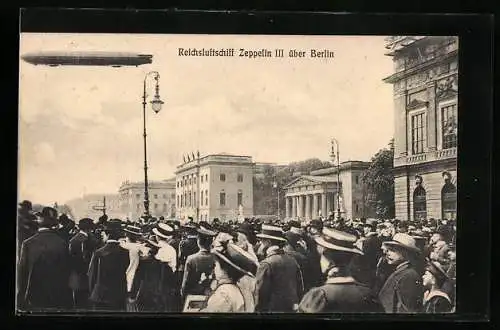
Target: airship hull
88, 58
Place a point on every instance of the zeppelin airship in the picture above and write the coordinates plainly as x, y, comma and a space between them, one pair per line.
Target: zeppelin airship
114, 59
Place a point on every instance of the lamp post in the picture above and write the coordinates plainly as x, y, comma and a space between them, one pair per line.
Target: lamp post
275, 185
335, 145
156, 104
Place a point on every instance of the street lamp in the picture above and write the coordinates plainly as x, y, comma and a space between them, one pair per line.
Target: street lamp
156, 104
275, 186
335, 144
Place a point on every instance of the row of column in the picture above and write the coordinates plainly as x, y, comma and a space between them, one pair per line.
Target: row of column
308, 206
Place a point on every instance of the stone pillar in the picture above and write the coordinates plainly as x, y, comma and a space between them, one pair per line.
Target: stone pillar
287, 207
301, 207
308, 207
328, 203
294, 206
431, 118
315, 206
323, 205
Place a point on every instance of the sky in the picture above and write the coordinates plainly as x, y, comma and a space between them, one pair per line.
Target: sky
80, 127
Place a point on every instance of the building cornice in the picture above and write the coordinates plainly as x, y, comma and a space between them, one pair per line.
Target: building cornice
424, 168
345, 166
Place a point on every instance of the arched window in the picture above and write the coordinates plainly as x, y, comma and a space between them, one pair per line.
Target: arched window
449, 201
419, 204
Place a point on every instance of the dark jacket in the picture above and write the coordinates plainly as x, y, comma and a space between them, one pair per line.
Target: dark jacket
43, 273
197, 273
107, 282
81, 248
278, 283
364, 267
402, 292
437, 302
340, 295
187, 247
26, 227
316, 275
304, 266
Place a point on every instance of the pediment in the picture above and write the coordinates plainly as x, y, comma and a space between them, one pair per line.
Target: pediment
300, 182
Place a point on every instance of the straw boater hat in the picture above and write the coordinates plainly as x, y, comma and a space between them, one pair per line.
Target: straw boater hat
135, 231
163, 230
334, 239
236, 257
206, 230
404, 241
272, 232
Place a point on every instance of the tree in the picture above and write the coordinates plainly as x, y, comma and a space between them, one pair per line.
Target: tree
379, 183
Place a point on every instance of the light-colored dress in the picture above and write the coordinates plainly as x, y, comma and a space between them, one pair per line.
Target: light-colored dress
227, 298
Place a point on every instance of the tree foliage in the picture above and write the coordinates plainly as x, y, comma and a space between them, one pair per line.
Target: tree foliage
379, 183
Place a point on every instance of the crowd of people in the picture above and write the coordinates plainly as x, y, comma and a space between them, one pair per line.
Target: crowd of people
326, 265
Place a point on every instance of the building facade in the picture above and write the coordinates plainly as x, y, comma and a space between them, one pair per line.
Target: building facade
90, 205
426, 121
215, 186
161, 199
311, 196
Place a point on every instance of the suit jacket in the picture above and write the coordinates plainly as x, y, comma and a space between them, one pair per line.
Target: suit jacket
198, 273
364, 267
107, 281
81, 248
43, 272
304, 266
402, 292
278, 283
340, 295
187, 247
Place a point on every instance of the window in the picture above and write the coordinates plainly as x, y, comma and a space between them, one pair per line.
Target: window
190, 199
449, 126
449, 201
164, 207
177, 184
417, 133
357, 179
222, 177
182, 200
357, 207
138, 206
173, 196
206, 197
202, 179
164, 196
156, 196
240, 177
156, 206
138, 196
222, 199
419, 204
206, 177
240, 198
201, 198
206, 217
182, 185
178, 204
194, 198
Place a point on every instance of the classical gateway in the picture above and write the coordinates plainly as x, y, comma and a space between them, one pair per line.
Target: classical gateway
311, 196
426, 120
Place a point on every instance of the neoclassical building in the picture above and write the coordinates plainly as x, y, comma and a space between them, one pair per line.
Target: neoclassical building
311, 196
426, 121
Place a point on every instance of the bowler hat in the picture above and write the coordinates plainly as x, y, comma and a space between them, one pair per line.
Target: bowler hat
404, 241
114, 225
292, 238
85, 224
236, 257
26, 205
337, 240
272, 232
163, 230
48, 217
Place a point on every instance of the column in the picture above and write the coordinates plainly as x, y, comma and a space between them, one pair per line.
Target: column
301, 207
328, 203
294, 206
431, 117
287, 207
315, 206
308, 207
323, 205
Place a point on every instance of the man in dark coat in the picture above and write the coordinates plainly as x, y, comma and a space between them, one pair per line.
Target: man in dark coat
81, 249
188, 245
313, 256
107, 280
341, 293
198, 271
278, 280
43, 268
294, 249
364, 267
402, 292
26, 223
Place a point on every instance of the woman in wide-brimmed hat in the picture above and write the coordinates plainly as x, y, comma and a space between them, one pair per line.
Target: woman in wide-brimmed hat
341, 293
402, 291
231, 264
435, 299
